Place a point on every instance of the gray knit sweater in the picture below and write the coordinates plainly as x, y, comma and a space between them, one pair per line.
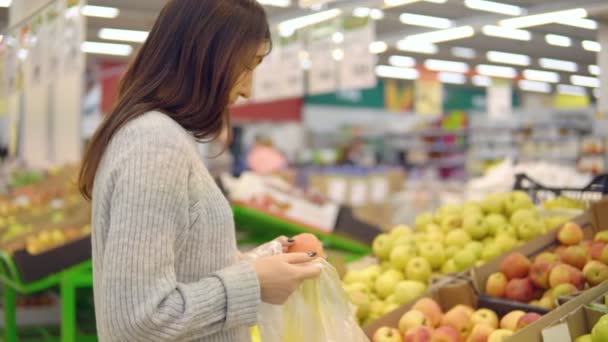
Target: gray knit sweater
164, 248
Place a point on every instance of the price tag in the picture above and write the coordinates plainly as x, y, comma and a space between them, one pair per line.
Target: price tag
358, 193
557, 333
336, 190
379, 191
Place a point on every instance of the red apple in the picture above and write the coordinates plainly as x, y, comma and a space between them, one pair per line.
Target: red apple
595, 272
515, 265
509, 321
576, 277
413, 319
527, 319
446, 333
559, 251
575, 256
596, 250
560, 274
431, 309
603, 255
547, 256
459, 318
386, 334
485, 316
562, 290
570, 234
521, 290
480, 333
586, 244
496, 284
539, 273
418, 334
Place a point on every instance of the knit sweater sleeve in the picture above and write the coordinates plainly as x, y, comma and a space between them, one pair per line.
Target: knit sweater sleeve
143, 299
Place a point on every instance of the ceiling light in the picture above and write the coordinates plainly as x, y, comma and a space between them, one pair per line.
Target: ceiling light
395, 3
402, 61
437, 1
538, 87
539, 75
276, 3
594, 70
123, 35
495, 7
558, 64
378, 47
337, 37
6, 3
567, 89
496, 71
453, 78
100, 11
543, 18
376, 14
508, 58
292, 25
592, 46
481, 81
417, 47
505, 32
442, 35
557, 40
338, 54
362, 12
463, 52
425, 21
442, 65
107, 48
579, 22
394, 72
585, 81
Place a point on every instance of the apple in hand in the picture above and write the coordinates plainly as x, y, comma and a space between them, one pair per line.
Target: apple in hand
500, 335
418, 334
382, 246
527, 319
386, 334
575, 256
570, 234
595, 272
539, 273
413, 319
431, 309
486, 316
515, 265
446, 333
480, 333
521, 290
418, 268
496, 284
509, 321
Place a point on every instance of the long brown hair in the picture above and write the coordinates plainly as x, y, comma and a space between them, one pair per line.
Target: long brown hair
189, 64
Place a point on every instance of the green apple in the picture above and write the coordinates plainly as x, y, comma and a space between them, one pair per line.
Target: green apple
471, 208
408, 290
450, 222
510, 230
517, 200
435, 237
400, 255
400, 230
422, 221
418, 268
487, 240
474, 226
372, 272
506, 242
476, 247
494, 223
404, 240
382, 246
523, 216
420, 237
448, 209
584, 338
433, 228
494, 204
390, 307
433, 253
362, 302
385, 266
491, 251
457, 237
599, 333
355, 276
464, 260
449, 267
529, 230
602, 236
386, 282
450, 251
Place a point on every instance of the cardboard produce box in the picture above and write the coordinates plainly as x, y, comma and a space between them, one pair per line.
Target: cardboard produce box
591, 221
448, 293
569, 321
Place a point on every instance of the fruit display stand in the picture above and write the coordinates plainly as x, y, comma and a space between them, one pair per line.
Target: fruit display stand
590, 224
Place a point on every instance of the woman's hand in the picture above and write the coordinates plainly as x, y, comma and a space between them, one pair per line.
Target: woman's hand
285, 242
280, 275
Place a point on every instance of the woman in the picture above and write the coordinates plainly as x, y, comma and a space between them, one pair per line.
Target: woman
165, 262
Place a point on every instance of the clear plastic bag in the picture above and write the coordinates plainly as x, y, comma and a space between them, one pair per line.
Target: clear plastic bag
319, 311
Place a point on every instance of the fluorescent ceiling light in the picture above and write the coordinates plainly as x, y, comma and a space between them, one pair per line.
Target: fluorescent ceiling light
376, 14
543, 18
496, 71
425, 21
378, 47
542, 76
463, 52
394, 72
437, 1
442, 65
417, 47
338, 37
592, 46
107, 48
100, 11
442, 35
557, 40
338, 54
395, 3
362, 12
276, 3
453, 78
482, 81
495, 7
295, 24
505, 32
558, 64
123, 35
567, 89
579, 22
402, 61
538, 87
508, 58
594, 70
585, 81
6, 3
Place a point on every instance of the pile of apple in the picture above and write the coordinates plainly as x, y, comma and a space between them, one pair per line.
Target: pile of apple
453, 239
426, 322
569, 268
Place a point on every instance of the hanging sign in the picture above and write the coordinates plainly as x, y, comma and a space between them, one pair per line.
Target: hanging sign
357, 65
323, 75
